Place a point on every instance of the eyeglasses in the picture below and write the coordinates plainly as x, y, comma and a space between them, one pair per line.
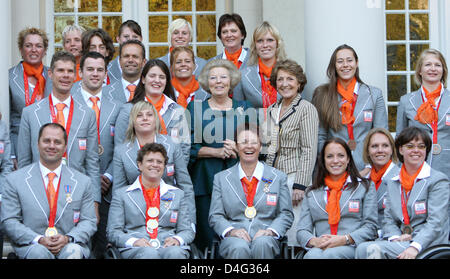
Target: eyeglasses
411, 146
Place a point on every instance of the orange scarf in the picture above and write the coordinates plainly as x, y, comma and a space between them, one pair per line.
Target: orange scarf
427, 112
269, 93
234, 57
37, 73
376, 176
407, 180
185, 91
78, 78
158, 107
333, 208
347, 106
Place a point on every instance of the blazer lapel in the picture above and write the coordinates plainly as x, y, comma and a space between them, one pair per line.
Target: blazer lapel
132, 151
163, 140
254, 79
363, 99
235, 185
292, 107
138, 200
267, 179
106, 109
68, 183
416, 101
42, 112
17, 79
36, 186
445, 105
77, 119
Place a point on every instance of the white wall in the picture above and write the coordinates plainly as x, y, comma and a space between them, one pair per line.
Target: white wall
330, 23
5, 60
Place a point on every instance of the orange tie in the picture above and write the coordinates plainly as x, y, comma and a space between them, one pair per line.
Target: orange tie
131, 88
94, 100
60, 116
51, 189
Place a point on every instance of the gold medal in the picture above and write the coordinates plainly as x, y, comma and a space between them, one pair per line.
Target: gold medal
153, 212
437, 149
250, 212
51, 231
351, 144
100, 149
64, 160
152, 224
154, 243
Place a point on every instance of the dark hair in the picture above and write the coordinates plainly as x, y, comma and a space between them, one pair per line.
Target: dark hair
319, 178
291, 67
140, 89
94, 55
152, 147
237, 19
133, 25
409, 134
104, 36
52, 125
247, 126
63, 56
132, 42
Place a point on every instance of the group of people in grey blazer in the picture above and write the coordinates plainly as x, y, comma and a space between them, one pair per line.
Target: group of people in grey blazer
105, 154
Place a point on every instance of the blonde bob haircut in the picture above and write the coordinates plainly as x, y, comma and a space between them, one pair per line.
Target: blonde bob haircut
366, 157
261, 31
130, 134
235, 74
438, 54
176, 24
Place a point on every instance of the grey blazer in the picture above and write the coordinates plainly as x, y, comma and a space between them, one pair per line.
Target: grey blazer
25, 209
249, 88
115, 91
223, 56
83, 130
228, 203
199, 63
370, 103
358, 214
407, 110
114, 70
6, 165
126, 170
174, 119
17, 100
128, 210
109, 110
427, 208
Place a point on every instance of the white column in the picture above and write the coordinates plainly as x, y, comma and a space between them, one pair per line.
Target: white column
5, 59
251, 13
330, 23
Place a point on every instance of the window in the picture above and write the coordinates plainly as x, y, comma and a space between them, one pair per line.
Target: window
106, 14
407, 35
200, 13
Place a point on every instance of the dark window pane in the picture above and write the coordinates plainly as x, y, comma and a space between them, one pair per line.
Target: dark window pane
395, 4
396, 87
418, 27
396, 57
392, 118
395, 27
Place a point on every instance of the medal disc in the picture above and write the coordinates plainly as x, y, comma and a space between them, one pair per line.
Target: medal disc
250, 212
437, 149
351, 144
64, 160
152, 224
407, 229
100, 149
153, 212
51, 231
154, 243
69, 199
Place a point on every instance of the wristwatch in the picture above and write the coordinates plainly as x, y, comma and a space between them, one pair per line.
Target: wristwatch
347, 240
71, 240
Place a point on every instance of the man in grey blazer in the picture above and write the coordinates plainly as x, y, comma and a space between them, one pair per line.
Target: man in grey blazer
128, 30
132, 60
82, 145
93, 72
36, 230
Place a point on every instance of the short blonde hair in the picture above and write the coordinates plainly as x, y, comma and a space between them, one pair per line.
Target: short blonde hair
366, 157
438, 54
261, 31
235, 74
176, 24
70, 28
32, 31
130, 134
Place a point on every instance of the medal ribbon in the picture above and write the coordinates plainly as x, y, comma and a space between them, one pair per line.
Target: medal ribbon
153, 201
55, 119
249, 189
434, 123
53, 204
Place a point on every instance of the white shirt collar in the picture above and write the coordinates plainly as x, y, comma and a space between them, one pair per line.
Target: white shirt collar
241, 57
57, 101
257, 173
45, 171
424, 173
86, 95
163, 187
